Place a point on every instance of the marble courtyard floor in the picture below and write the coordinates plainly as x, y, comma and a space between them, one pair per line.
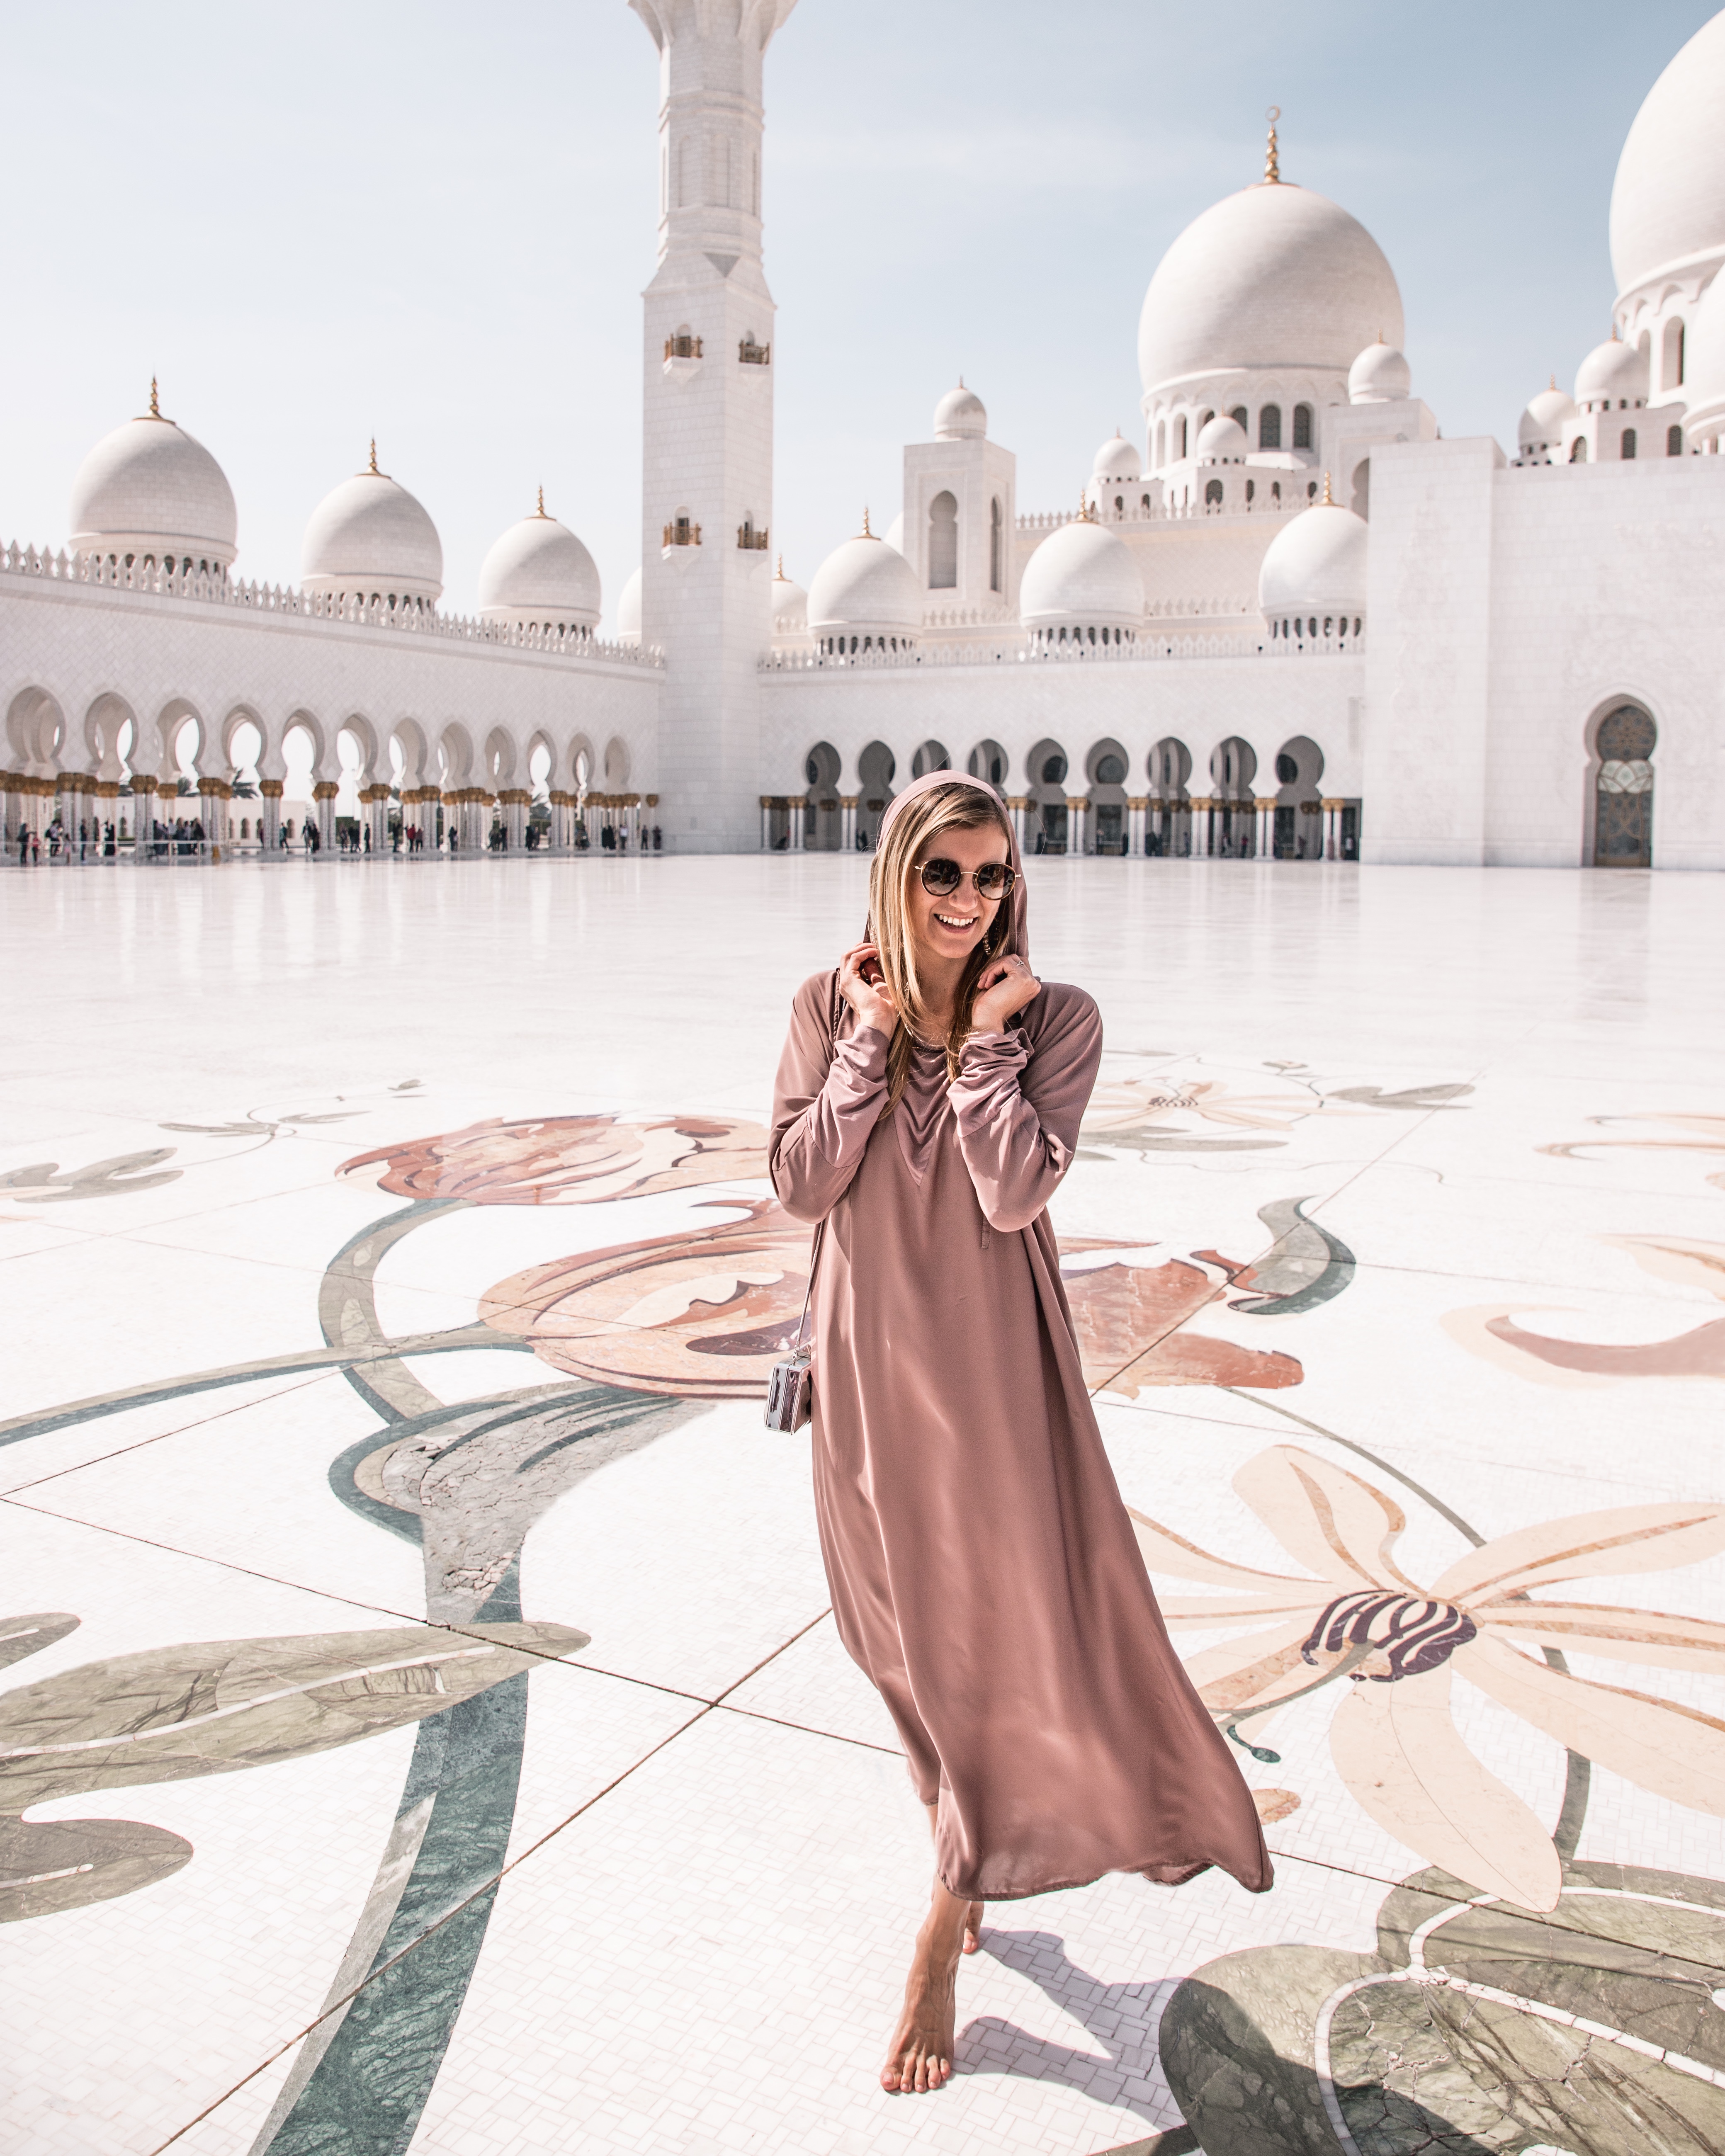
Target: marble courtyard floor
427, 1729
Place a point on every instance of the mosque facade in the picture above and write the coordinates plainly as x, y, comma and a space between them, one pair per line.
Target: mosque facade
1286, 618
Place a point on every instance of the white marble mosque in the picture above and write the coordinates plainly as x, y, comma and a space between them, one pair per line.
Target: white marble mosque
1287, 618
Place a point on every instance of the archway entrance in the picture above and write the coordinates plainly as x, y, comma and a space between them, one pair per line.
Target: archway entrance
1623, 790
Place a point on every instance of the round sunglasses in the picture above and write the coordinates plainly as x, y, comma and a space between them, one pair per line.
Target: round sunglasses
993, 880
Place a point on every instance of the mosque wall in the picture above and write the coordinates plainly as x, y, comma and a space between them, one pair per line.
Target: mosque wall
104, 655
1512, 607
1606, 591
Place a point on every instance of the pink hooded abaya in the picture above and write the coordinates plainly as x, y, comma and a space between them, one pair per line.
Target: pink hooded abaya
985, 1573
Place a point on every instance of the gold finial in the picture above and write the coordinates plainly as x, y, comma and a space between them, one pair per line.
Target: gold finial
373, 466
155, 408
1086, 514
1272, 170
1329, 500
778, 568
540, 511
866, 533
1553, 382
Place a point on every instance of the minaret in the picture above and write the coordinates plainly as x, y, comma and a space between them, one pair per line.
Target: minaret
706, 492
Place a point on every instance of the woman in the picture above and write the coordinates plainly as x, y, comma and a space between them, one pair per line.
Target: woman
985, 1573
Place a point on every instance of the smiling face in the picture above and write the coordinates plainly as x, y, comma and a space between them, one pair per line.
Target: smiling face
948, 928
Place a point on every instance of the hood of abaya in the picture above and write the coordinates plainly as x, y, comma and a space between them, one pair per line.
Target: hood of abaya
1018, 930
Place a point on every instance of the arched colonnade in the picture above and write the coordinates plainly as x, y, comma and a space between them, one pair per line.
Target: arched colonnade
1102, 798
250, 780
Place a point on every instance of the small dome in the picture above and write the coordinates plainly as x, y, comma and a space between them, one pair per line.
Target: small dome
539, 571
1379, 376
865, 588
1611, 371
629, 610
1118, 459
371, 537
790, 605
150, 488
960, 417
1221, 441
1081, 576
1316, 564
1541, 426
1274, 276
1668, 200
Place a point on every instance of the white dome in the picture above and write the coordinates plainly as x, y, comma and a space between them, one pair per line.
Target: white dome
1082, 575
1316, 564
895, 533
539, 571
790, 606
1381, 375
1545, 419
629, 610
1611, 371
1221, 441
371, 537
1273, 276
1118, 459
960, 417
867, 588
1668, 201
150, 488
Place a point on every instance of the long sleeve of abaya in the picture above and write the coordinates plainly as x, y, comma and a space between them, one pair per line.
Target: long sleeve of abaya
826, 1100
1019, 1099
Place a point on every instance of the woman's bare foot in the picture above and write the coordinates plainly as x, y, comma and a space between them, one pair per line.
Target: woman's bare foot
921, 2058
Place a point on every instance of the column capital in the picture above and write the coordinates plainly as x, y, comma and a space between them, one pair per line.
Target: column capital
271, 789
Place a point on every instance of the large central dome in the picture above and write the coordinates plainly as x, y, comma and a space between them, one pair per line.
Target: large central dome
1274, 276
1668, 201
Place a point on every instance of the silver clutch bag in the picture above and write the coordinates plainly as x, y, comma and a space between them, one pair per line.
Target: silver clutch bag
790, 1389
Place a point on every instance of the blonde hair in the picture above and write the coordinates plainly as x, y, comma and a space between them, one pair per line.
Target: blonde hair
953, 808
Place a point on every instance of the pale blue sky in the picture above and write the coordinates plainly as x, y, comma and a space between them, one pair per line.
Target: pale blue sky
433, 222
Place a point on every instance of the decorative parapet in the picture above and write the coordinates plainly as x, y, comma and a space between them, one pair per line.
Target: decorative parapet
682, 346
101, 572
750, 354
751, 541
1137, 511
1147, 649
682, 531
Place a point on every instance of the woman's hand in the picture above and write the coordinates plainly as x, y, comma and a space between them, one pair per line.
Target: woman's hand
870, 999
1003, 988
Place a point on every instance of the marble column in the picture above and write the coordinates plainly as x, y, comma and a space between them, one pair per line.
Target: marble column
1136, 805
323, 793
269, 794
799, 802
1333, 830
1266, 840
143, 814
1016, 805
847, 832
1078, 834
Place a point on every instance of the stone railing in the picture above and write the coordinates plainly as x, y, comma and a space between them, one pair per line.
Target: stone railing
103, 571
1158, 512
1014, 654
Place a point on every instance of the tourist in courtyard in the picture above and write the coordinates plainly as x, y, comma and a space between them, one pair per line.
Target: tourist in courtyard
985, 1573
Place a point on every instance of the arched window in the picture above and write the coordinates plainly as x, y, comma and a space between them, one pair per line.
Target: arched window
1673, 441
943, 542
1629, 442
1240, 417
1672, 372
1302, 426
996, 546
1269, 427
1179, 439
1578, 450
1212, 492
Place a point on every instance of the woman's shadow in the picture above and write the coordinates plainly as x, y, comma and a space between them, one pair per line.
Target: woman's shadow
1122, 2019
